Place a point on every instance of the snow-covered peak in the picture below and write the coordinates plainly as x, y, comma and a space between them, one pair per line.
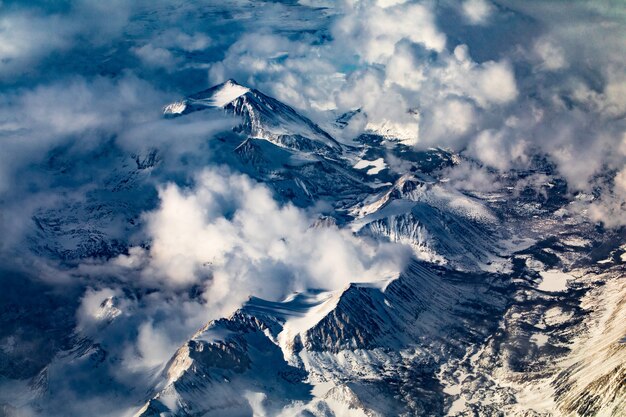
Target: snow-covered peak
177, 107
422, 188
228, 92
263, 117
406, 133
218, 96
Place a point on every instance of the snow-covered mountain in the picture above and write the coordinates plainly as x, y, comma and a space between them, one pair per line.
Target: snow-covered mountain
376, 342
440, 224
263, 117
510, 304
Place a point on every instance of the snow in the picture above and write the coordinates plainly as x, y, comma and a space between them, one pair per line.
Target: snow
378, 210
266, 117
555, 316
320, 388
305, 312
434, 194
539, 339
176, 107
459, 203
539, 398
107, 310
406, 133
554, 281
179, 364
452, 389
220, 97
593, 363
576, 241
534, 264
230, 91
302, 316
377, 165
457, 406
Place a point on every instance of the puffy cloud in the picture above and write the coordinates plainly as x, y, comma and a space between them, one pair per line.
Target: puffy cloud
451, 118
610, 208
389, 3
390, 52
151, 349
471, 177
26, 37
551, 55
409, 84
175, 39
620, 182
33, 32
76, 111
386, 109
403, 68
156, 57
168, 50
373, 32
493, 82
477, 11
229, 234
495, 149
389, 61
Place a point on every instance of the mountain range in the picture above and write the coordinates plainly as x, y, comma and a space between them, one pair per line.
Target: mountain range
510, 302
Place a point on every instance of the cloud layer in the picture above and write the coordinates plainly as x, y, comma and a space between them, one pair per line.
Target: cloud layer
84, 82
228, 233
508, 80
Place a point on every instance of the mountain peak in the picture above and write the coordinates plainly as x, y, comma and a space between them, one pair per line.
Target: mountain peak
226, 93
231, 82
263, 117
218, 96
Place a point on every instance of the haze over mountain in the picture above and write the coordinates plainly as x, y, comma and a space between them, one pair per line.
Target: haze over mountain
313, 208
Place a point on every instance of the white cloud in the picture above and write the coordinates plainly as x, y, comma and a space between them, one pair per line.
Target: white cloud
467, 176
551, 55
389, 3
26, 37
554, 85
152, 349
403, 78
620, 182
373, 32
385, 107
229, 234
610, 209
497, 150
477, 12
156, 57
450, 118
492, 82
164, 50
196, 41
404, 70
33, 121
